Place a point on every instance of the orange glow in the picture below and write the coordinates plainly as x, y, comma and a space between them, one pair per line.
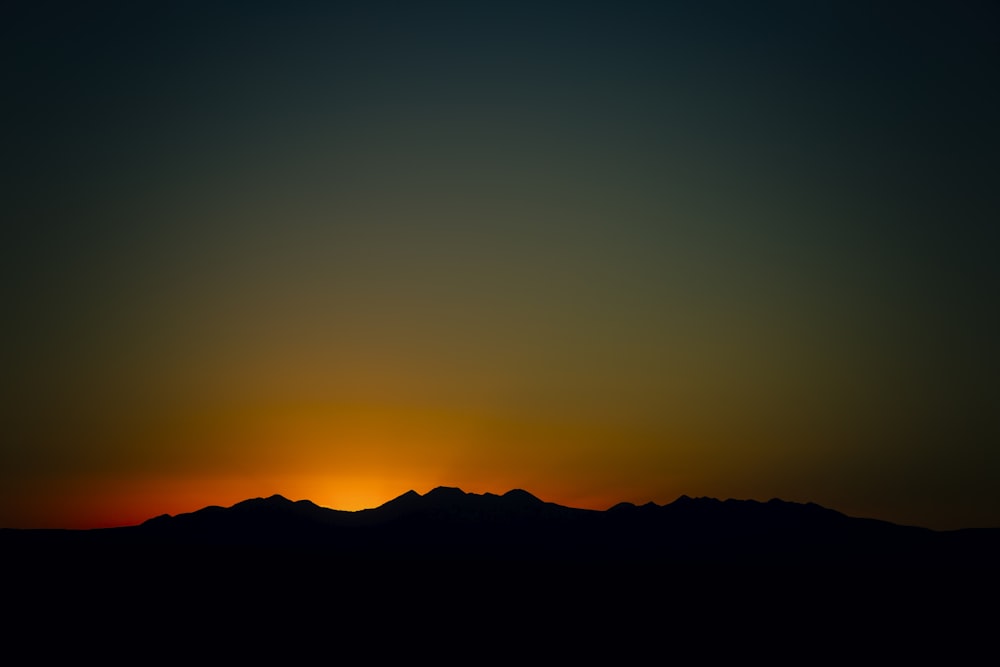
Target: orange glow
112, 502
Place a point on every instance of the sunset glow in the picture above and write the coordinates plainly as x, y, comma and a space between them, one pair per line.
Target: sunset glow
601, 253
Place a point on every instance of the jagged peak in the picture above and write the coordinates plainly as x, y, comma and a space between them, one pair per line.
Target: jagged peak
402, 500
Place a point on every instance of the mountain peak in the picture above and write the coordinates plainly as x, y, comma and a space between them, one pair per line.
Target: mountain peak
623, 506
399, 505
521, 495
276, 500
443, 492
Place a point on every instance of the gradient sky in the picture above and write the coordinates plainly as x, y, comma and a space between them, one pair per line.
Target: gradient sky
599, 251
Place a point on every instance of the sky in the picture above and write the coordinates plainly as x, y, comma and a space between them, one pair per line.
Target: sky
599, 251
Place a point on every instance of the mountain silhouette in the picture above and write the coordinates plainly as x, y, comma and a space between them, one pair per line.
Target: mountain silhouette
509, 570
451, 524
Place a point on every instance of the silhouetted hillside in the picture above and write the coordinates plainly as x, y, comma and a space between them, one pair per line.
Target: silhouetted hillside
447, 523
512, 571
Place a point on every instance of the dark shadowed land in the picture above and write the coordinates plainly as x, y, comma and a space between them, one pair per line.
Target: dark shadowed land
511, 569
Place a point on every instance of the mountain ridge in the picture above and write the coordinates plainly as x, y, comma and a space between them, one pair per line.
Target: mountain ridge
443, 496
449, 524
